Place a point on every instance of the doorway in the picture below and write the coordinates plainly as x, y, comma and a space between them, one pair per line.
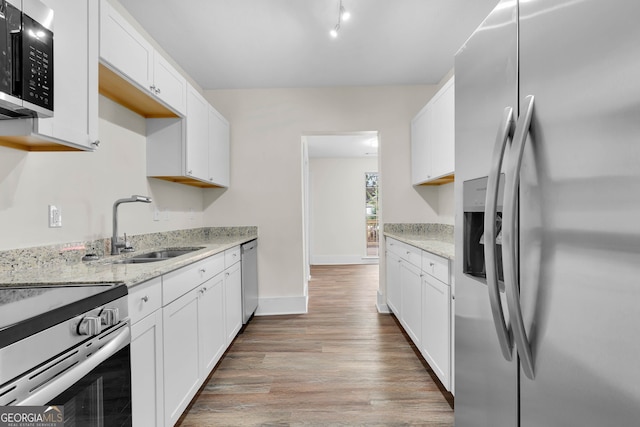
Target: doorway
340, 198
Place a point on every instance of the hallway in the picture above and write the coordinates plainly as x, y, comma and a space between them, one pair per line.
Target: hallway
343, 363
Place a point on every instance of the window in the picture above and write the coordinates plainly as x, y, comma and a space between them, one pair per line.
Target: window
371, 182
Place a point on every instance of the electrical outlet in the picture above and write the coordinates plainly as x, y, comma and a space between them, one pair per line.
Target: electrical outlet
55, 217
156, 214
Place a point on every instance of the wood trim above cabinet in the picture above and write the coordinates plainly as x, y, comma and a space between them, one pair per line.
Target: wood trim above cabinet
187, 181
33, 143
447, 179
119, 90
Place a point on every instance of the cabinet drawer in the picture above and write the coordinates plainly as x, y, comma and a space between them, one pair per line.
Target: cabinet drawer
231, 256
436, 266
412, 255
409, 253
394, 246
179, 282
144, 299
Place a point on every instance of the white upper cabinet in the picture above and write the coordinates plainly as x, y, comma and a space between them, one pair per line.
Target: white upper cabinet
433, 139
74, 125
193, 150
133, 73
218, 148
169, 85
197, 137
123, 48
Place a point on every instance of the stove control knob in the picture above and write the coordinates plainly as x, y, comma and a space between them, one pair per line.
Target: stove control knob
89, 326
110, 316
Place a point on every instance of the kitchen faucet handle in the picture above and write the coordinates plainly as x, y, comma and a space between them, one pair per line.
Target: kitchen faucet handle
127, 246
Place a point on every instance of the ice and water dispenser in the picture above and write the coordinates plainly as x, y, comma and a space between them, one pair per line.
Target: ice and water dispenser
474, 195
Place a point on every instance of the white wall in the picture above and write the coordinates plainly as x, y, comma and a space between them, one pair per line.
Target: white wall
266, 172
338, 198
266, 176
85, 185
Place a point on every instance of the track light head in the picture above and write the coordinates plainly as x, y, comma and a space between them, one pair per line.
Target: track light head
343, 15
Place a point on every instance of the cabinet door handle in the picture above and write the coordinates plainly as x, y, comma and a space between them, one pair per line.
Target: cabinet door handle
203, 270
145, 298
158, 91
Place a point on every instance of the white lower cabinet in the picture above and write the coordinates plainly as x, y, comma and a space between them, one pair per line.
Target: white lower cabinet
436, 331
419, 294
194, 341
394, 293
233, 301
411, 306
146, 354
181, 358
211, 323
181, 325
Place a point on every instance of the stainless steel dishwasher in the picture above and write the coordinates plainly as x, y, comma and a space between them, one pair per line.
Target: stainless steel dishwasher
249, 279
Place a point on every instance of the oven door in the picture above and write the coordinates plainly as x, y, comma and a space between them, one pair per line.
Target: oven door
94, 389
102, 398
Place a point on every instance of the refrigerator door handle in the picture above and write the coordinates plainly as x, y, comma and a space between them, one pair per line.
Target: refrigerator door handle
491, 208
509, 237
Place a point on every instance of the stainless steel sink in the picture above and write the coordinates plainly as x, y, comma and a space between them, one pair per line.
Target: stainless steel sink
156, 256
167, 253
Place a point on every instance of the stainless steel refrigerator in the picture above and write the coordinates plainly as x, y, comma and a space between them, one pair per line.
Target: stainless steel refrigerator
547, 272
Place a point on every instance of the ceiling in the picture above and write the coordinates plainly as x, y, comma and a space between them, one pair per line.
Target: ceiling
231, 44
364, 144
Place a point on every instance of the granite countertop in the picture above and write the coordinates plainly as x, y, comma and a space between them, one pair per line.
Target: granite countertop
76, 272
434, 238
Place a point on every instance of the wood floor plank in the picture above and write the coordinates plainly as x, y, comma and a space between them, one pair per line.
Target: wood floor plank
342, 364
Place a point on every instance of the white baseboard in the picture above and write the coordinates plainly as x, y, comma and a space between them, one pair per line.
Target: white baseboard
342, 259
381, 304
283, 305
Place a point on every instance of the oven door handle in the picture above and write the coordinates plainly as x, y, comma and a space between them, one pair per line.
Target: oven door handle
60, 384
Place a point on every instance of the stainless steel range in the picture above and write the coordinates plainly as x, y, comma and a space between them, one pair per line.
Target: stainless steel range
67, 346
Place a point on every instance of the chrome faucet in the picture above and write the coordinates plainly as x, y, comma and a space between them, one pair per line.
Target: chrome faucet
115, 243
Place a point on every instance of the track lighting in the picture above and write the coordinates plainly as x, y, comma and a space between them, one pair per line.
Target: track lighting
343, 15
334, 32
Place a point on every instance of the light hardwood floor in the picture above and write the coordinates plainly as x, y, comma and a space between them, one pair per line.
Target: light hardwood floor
342, 364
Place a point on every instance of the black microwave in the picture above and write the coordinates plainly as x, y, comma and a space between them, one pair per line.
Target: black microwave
26, 59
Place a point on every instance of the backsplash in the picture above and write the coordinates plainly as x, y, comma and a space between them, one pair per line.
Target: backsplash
71, 253
442, 232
